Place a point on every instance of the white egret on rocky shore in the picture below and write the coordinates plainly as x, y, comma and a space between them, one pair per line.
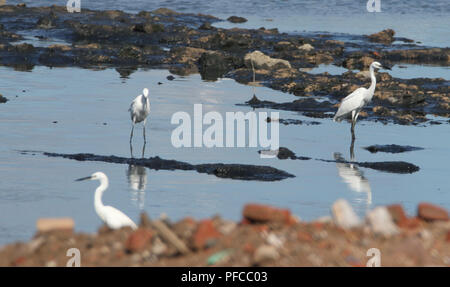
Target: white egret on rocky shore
111, 216
139, 110
354, 102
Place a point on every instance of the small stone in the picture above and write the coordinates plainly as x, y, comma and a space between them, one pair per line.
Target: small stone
258, 213
138, 240
275, 240
158, 247
265, 253
227, 227
259, 60
343, 214
205, 234
431, 212
206, 26
170, 78
384, 37
236, 19
381, 222
306, 47
52, 224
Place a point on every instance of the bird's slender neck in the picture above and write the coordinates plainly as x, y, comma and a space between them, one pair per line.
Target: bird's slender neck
374, 80
99, 192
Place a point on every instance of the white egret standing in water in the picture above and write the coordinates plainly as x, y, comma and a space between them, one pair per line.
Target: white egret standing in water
354, 102
139, 110
111, 216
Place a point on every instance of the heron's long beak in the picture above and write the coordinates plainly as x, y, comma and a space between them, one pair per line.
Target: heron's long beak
84, 178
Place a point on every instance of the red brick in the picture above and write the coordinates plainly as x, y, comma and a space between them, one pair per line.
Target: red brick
448, 236
258, 213
205, 232
431, 212
138, 240
397, 213
410, 223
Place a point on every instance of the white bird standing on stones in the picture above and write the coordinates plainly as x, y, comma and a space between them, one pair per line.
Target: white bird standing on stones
354, 102
111, 216
139, 110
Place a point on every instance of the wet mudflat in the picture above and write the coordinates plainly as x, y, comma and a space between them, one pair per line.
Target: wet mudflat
45, 116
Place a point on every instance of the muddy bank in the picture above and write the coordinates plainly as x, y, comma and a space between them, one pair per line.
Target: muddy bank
231, 171
401, 167
392, 148
266, 236
189, 43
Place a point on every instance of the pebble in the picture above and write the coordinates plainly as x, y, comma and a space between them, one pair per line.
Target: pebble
306, 47
265, 253
158, 247
262, 61
380, 221
343, 214
227, 227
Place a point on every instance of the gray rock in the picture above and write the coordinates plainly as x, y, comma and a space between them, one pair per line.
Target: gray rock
306, 47
262, 61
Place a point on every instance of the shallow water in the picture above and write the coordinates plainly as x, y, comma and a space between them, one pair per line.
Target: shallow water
90, 108
402, 71
425, 22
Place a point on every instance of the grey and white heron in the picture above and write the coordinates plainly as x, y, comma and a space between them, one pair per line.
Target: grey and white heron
139, 110
354, 102
111, 216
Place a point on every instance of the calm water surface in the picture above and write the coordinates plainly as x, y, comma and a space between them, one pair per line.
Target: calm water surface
90, 108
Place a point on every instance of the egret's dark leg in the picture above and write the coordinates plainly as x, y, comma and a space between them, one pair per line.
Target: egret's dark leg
131, 135
353, 125
143, 131
143, 150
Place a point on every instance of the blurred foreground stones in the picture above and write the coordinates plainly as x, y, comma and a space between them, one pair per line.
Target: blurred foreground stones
266, 236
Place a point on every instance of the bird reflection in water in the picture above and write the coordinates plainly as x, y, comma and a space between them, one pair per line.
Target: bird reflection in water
352, 176
137, 179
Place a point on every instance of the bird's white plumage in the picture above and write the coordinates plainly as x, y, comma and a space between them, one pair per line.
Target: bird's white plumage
139, 110
140, 107
111, 216
115, 218
353, 102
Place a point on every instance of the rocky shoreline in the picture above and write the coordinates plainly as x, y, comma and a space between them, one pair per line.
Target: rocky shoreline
188, 43
266, 236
